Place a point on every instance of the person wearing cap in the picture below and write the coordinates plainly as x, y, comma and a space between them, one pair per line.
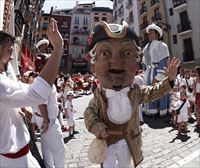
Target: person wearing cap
112, 114
69, 114
14, 136
52, 143
42, 54
156, 55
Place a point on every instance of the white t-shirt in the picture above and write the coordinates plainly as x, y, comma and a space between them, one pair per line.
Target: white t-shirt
184, 109
14, 95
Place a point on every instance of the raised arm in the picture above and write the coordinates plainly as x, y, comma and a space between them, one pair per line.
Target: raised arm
50, 70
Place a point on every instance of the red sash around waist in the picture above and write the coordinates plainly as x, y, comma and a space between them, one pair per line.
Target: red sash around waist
18, 154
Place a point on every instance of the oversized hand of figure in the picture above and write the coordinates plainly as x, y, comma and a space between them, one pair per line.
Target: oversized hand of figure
54, 35
172, 68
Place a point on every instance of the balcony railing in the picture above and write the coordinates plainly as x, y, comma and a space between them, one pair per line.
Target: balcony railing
153, 2
177, 3
143, 25
76, 42
143, 9
129, 4
184, 27
80, 31
188, 56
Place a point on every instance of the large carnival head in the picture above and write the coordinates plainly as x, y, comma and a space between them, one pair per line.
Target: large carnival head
6, 49
114, 54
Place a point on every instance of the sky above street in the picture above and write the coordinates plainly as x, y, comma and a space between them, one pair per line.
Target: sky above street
67, 4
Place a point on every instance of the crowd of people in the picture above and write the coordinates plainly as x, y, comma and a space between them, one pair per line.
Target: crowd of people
121, 92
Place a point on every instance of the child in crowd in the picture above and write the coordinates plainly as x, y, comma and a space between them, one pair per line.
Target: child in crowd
182, 109
69, 114
173, 99
197, 96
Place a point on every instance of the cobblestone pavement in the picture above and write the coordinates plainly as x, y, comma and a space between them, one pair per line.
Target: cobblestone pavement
162, 147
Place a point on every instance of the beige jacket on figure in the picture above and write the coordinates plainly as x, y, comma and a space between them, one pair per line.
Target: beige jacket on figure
96, 118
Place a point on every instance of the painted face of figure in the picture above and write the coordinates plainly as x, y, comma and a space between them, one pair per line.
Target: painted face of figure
5, 55
116, 63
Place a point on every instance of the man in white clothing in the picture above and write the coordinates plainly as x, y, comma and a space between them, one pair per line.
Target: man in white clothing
14, 136
52, 144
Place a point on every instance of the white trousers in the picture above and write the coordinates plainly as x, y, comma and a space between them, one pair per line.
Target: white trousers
27, 161
118, 156
60, 118
52, 144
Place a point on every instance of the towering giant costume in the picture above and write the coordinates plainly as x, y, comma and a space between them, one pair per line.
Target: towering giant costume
112, 114
156, 54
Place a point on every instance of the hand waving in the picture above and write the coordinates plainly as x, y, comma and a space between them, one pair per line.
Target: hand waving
54, 34
172, 68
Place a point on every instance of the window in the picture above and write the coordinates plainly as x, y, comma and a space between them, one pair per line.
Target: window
62, 63
64, 23
175, 39
131, 19
76, 21
84, 40
171, 11
104, 19
85, 21
46, 18
45, 26
188, 54
96, 19
157, 14
115, 15
44, 35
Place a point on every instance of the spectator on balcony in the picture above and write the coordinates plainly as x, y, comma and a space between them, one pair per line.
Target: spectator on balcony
156, 54
42, 54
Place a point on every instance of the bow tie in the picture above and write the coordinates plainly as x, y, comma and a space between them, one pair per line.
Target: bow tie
111, 93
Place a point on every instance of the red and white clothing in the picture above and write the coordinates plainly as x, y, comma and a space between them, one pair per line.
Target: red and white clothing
13, 132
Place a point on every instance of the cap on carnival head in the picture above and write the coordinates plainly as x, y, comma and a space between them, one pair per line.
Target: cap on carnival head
41, 42
103, 31
154, 27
